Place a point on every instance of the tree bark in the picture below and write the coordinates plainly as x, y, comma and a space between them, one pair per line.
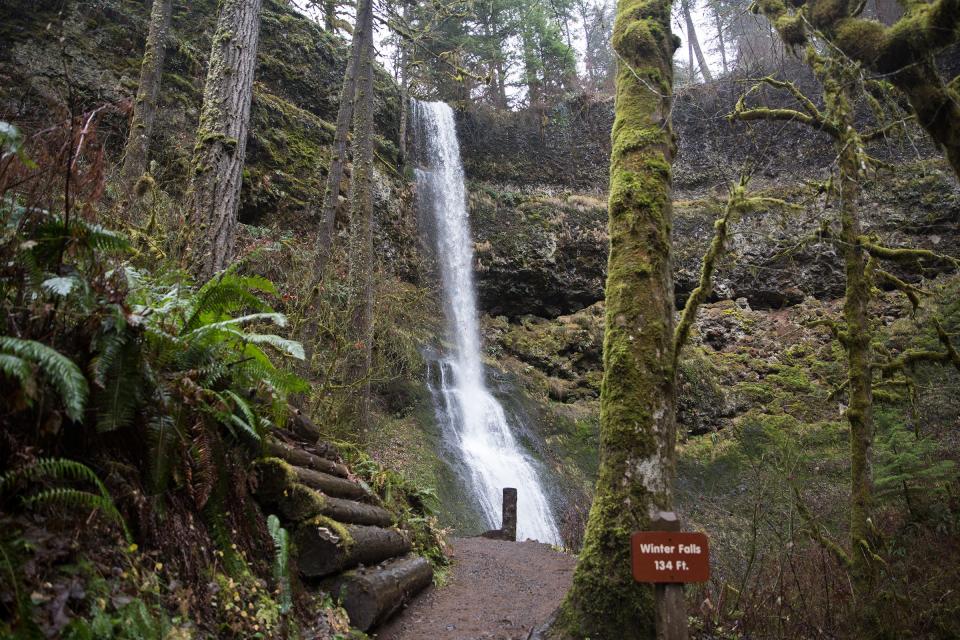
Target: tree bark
330, 15
638, 393
361, 236
331, 197
404, 89
371, 595
137, 148
221, 141
695, 43
858, 336
326, 547
305, 428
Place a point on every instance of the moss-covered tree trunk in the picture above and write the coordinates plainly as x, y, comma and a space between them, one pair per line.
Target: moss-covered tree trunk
857, 336
348, 90
221, 141
137, 149
637, 400
361, 233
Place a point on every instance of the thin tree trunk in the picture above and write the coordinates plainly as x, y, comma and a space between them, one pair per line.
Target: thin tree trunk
720, 40
330, 15
361, 234
331, 197
857, 338
404, 91
638, 394
695, 43
221, 142
137, 149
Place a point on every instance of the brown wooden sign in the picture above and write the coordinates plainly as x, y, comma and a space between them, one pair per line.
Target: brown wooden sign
670, 556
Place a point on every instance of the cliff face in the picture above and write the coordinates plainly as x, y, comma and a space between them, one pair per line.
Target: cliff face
541, 235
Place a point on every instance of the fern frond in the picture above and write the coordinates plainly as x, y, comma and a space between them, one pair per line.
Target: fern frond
203, 330
17, 368
250, 424
161, 434
225, 294
118, 369
201, 457
60, 371
281, 561
75, 499
52, 469
70, 470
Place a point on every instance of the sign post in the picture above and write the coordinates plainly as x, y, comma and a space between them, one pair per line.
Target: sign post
668, 558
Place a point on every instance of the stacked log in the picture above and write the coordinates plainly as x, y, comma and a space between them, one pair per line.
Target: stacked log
275, 475
338, 524
326, 547
371, 595
300, 458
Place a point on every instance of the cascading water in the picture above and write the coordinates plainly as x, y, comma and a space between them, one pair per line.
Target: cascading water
474, 422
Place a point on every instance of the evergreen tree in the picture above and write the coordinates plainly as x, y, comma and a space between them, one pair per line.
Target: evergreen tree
221, 141
145, 106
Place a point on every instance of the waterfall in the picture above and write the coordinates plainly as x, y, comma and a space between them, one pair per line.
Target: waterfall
475, 424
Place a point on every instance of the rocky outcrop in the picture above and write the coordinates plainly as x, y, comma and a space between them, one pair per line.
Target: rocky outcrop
543, 252
539, 254
538, 204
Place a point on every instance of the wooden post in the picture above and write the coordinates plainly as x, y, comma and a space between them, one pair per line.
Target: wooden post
670, 607
510, 513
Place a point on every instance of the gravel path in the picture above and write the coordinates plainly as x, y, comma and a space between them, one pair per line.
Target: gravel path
497, 591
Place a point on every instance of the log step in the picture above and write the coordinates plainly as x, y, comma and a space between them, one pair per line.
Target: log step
297, 502
296, 456
275, 474
326, 547
305, 429
371, 595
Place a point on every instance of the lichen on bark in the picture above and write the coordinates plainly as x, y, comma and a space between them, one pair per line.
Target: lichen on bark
637, 404
145, 105
221, 138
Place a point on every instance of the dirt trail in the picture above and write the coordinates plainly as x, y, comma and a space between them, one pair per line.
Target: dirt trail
497, 591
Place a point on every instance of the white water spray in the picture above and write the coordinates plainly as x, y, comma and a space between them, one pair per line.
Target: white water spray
474, 421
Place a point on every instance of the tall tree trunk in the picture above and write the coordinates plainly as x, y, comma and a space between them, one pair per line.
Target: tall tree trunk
221, 142
348, 90
695, 43
857, 337
330, 15
404, 89
720, 40
361, 234
531, 78
638, 394
145, 107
